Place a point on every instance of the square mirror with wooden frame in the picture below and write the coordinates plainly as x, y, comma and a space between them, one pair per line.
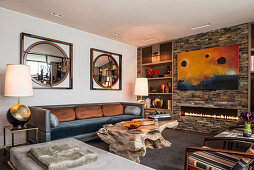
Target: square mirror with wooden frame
106, 70
50, 61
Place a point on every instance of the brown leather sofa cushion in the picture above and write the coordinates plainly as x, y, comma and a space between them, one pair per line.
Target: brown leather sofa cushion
112, 109
89, 111
63, 114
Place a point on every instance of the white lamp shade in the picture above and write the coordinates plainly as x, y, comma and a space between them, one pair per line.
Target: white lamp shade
141, 87
18, 81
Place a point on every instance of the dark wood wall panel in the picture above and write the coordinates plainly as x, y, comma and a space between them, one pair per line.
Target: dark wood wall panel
166, 51
147, 55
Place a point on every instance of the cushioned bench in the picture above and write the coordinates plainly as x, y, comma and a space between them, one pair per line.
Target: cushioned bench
105, 161
80, 121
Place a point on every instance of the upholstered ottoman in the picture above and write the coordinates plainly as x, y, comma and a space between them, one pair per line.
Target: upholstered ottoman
105, 161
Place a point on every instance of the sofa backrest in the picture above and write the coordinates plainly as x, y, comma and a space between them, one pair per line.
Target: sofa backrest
63, 114
84, 111
88, 111
112, 109
74, 106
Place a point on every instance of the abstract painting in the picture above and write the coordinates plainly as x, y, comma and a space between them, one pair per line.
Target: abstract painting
209, 69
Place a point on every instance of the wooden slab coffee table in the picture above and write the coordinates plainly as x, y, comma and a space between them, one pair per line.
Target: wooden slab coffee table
132, 144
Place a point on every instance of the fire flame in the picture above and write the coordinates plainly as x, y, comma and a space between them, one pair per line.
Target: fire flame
212, 116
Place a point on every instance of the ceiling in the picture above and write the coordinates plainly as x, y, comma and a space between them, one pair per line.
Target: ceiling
139, 22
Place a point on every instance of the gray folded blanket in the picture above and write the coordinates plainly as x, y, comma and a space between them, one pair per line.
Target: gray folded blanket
62, 156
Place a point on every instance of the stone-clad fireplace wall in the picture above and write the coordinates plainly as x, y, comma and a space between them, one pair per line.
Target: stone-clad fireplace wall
232, 99
229, 99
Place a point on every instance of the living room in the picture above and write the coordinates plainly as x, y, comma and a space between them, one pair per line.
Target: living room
126, 85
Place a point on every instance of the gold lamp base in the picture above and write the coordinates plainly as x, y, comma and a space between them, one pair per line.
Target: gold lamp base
18, 115
142, 102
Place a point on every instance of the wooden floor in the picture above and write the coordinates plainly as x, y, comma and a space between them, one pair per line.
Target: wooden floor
3, 160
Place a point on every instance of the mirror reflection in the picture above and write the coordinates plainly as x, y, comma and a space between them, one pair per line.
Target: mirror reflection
48, 63
105, 71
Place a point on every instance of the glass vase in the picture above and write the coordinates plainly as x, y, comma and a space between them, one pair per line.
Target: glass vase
247, 131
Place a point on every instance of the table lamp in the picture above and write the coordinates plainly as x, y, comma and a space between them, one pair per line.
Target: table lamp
141, 88
18, 83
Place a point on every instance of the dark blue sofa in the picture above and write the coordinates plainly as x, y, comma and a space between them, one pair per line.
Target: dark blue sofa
84, 129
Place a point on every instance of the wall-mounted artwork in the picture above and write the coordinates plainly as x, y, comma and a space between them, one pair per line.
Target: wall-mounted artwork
209, 69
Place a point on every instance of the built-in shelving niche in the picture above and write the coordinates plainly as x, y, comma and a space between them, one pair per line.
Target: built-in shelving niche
159, 56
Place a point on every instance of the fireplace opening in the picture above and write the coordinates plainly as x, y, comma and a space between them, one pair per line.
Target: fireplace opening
216, 113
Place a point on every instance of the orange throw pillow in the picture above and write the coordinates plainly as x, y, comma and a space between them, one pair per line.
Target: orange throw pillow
89, 111
112, 109
63, 114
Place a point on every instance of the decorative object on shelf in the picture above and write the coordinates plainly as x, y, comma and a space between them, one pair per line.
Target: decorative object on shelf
148, 103
141, 89
106, 70
209, 69
163, 86
169, 104
18, 83
251, 65
169, 84
50, 61
151, 72
131, 124
156, 53
247, 118
157, 102
153, 90
167, 90
167, 72
144, 122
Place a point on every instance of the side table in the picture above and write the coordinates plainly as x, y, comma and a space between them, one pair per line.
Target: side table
235, 133
14, 130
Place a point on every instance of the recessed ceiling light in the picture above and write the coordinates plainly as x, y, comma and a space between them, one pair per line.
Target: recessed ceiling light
116, 34
57, 15
150, 39
201, 26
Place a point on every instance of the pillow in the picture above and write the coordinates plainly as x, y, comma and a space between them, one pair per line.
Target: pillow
244, 162
112, 109
89, 111
53, 120
132, 110
63, 114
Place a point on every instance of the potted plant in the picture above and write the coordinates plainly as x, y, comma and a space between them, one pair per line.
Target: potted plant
247, 118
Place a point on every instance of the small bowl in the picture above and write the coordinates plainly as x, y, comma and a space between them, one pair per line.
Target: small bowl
131, 124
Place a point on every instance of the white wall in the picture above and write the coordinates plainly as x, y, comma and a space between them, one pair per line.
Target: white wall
13, 23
